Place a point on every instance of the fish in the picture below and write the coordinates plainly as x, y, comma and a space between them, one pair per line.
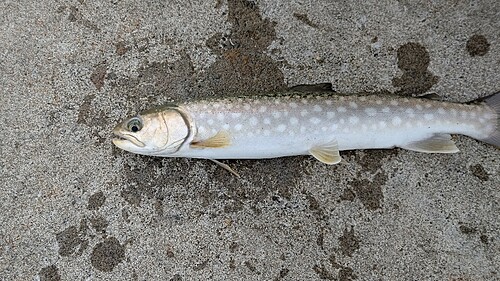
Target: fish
306, 120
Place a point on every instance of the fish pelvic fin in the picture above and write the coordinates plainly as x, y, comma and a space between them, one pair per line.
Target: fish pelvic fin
327, 153
221, 139
438, 143
493, 102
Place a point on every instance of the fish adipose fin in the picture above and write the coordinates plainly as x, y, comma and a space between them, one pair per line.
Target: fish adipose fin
327, 153
221, 139
493, 102
439, 143
226, 167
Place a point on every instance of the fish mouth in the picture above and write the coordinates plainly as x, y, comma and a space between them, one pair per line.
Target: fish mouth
123, 140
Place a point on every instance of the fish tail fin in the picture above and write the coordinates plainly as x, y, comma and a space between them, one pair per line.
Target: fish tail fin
493, 102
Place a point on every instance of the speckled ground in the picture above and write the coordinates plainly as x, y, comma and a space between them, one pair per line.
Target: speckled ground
73, 207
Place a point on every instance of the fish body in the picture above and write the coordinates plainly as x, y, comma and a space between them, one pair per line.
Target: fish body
315, 123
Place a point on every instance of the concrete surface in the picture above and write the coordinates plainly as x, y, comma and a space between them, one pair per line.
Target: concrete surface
72, 207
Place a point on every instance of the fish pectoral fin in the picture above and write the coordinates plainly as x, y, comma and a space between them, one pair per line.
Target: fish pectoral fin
225, 167
439, 143
327, 153
221, 139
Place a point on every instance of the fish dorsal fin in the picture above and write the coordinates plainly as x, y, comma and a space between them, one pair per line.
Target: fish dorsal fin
221, 139
430, 96
327, 153
439, 143
322, 87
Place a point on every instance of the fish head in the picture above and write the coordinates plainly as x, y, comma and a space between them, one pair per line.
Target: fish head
157, 131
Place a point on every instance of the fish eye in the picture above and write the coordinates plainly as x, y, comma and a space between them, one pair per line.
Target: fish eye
134, 125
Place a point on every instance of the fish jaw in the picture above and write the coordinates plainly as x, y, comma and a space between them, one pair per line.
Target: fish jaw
127, 142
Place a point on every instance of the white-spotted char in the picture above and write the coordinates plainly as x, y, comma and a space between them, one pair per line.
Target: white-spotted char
296, 123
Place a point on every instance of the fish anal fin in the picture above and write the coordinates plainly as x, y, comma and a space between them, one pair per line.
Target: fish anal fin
221, 139
327, 153
439, 143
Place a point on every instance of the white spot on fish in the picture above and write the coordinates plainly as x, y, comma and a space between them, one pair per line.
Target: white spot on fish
370, 111
353, 104
386, 109
382, 124
394, 102
364, 127
267, 133
267, 121
335, 127
410, 111
304, 112
201, 130
379, 102
342, 121
262, 109
317, 108
428, 105
253, 121
293, 105
276, 114
302, 129
419, 107
225, 126
235, 115
314, 120
441, 110
294, 121
238, 127
341, 109
247, 107
453, 111
353, 120
304, 101
428, 116
281, 127
220, 116
202, 115
396, 121
473, 114
328, 102
362, 98
373, 126
210, 121
330, 114
323, 129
